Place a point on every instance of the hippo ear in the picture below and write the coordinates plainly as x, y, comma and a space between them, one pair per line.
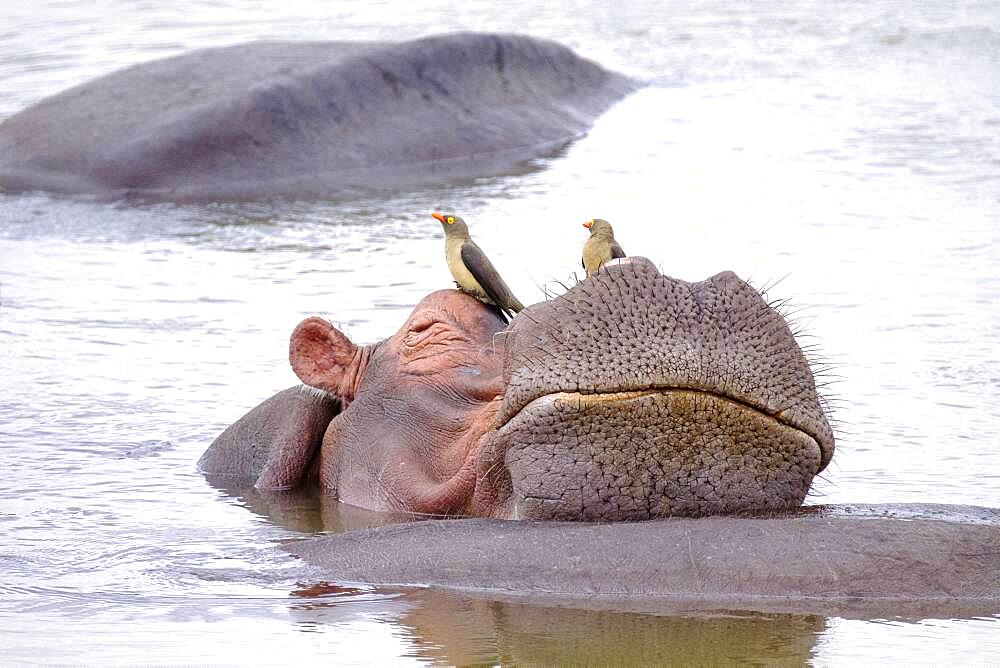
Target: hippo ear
322, 356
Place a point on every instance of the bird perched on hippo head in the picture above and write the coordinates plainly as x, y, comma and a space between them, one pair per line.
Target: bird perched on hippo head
473, 272
600, 247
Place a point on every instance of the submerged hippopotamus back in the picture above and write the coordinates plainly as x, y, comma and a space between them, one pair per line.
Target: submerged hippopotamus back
279, 118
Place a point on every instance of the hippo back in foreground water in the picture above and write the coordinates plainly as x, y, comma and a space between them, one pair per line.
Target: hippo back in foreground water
869, 561
295, 119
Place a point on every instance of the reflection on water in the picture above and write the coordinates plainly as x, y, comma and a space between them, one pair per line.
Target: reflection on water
847, 151
460, 630
306, 511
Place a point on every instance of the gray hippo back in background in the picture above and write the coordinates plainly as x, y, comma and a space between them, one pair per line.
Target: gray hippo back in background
294, 119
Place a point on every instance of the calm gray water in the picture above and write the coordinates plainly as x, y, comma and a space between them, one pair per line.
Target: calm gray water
847, 151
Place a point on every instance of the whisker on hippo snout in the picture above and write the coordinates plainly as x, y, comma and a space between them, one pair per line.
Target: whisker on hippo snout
502, 335
545, 327
767, 287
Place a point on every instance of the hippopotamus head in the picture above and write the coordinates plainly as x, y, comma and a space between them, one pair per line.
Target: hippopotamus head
416, 406
631, 396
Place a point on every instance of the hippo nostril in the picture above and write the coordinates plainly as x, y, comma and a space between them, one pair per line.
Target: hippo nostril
726, 276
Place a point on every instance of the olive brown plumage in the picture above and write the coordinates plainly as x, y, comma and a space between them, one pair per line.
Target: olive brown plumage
472, 270
601, 247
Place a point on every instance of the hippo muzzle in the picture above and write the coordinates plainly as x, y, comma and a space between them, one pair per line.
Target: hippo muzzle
635, 395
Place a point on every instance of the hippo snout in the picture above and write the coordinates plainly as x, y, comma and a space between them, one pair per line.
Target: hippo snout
635, 395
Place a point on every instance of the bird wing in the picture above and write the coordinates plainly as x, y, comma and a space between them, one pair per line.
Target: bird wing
482, 270
616, 250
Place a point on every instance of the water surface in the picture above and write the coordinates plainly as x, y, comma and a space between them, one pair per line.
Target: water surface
847, 154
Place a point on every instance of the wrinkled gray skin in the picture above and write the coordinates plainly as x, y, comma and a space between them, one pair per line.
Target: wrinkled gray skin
299, 119
636, 395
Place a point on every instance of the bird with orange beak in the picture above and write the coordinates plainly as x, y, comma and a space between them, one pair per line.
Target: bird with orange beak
601, 247
473, 272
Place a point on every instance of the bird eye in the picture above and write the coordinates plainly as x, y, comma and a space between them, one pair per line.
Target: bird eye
451, 219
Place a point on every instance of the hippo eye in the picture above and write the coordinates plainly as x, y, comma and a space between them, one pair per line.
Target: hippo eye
451, 219
428, 336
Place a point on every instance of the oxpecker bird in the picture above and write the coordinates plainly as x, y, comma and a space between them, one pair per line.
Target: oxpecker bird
601, 247
472, 270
